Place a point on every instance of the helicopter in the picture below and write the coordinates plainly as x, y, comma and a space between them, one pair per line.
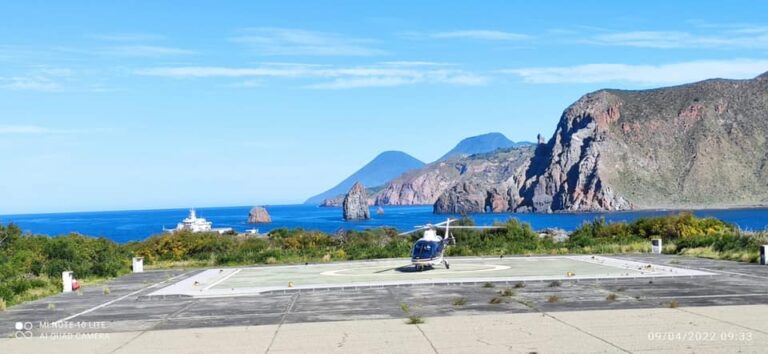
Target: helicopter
429, 250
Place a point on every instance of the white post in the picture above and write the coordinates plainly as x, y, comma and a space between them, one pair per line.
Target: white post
764, 254
656, 246
138, 264
66, 279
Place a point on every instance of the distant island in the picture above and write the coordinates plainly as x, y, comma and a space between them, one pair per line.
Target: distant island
423, 184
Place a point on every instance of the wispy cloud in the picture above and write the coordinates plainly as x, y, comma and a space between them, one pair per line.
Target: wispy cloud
753, 37
333, 77
38, 79
136, 45
145, 51
127, 37
675, 73
297, 42
486, 35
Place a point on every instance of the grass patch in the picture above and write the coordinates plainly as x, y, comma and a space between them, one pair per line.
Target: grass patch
611, 297
496, 300
107, 291
459, 301
507, 292
489, 285
519, 285
37, 293
553, 299
3, 306
405, 308
414, 320
555, 284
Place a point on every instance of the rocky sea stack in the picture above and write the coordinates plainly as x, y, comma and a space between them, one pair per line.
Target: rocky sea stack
259, 215
356, 204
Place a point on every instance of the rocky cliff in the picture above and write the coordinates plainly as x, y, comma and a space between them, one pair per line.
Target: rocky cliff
699, 145
356, 204
425, 185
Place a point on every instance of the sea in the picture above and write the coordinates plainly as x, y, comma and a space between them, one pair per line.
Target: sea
135, 225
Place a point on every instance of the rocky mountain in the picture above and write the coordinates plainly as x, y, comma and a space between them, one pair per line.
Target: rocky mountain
379, 171
698, 145
482, 144
355, 205
425, 185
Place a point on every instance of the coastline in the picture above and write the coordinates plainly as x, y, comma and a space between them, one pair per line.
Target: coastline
127, 226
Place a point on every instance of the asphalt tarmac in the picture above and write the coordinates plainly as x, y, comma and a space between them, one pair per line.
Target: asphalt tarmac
130, 306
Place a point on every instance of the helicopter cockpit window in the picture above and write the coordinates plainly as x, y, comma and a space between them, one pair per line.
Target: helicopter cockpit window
423, 250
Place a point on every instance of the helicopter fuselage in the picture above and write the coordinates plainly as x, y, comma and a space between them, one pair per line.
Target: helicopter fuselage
428, 251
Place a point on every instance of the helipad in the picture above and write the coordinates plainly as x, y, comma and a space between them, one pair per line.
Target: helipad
398, 272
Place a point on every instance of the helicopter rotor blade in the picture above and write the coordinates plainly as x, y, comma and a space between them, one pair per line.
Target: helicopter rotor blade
410, 232
473, 227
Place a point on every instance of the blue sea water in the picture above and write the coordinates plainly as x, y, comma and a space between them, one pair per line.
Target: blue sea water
134, 225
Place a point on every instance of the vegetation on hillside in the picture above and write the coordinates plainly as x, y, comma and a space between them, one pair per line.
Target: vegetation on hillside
31, 265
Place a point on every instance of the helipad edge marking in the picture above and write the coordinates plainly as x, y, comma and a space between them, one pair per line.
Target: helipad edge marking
222, 279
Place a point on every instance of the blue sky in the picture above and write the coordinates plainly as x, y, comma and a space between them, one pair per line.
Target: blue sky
133, 105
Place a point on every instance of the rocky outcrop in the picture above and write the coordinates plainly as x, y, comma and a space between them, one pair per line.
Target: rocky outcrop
356, 204
700, 145
259, 215
564, 174
480, 172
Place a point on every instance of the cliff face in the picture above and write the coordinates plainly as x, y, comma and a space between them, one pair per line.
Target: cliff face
356, 204
565, 173
692, 146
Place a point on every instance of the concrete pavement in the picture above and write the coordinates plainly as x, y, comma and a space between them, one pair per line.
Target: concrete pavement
719, 329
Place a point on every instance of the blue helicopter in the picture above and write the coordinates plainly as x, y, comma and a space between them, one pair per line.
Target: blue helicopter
429, 250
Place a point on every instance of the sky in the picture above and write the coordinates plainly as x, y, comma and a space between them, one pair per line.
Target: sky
112, 105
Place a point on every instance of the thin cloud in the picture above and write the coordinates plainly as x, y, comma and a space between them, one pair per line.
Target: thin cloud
127, 37
486, 35
327, 77
675, 73
405, 63
737, 38
44, 79
145, 51
296, 42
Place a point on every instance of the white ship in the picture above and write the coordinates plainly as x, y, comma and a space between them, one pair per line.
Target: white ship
194, 224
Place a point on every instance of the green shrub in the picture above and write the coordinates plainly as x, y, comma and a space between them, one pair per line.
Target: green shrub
496, 300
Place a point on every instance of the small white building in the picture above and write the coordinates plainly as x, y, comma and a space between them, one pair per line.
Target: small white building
194, 224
